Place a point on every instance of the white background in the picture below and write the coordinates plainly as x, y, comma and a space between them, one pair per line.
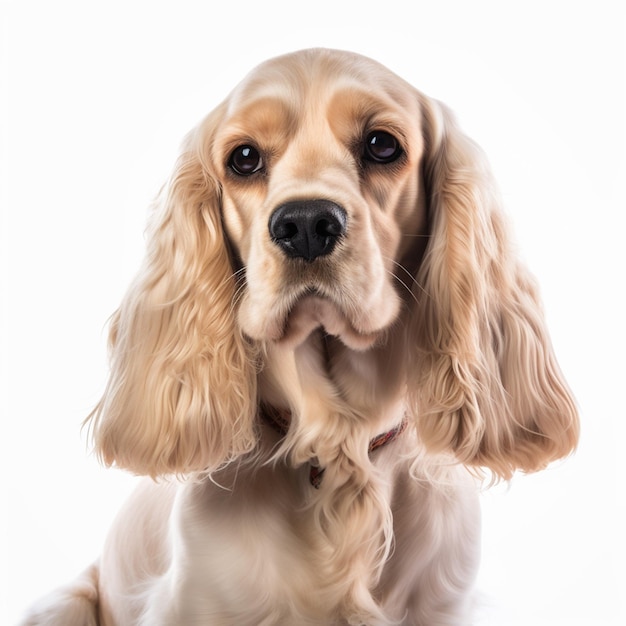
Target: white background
95, 100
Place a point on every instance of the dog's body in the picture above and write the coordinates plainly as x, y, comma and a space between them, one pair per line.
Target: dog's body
329, 328
249, 560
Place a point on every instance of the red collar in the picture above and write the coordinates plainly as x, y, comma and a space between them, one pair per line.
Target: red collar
279, 421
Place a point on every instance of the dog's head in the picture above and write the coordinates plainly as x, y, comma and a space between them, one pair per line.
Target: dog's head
327, 193
318, 156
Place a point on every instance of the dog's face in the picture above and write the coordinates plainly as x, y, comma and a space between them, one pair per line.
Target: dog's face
325, 194
318, 160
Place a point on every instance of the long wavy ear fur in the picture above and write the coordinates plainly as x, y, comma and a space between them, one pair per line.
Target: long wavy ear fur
485, 382
182, 390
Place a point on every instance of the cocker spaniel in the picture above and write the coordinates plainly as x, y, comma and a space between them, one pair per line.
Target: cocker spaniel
330, 336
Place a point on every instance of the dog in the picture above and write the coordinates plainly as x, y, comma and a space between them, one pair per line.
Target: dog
330, 341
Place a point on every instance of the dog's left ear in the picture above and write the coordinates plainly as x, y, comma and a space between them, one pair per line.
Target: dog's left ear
181, 396
484, 381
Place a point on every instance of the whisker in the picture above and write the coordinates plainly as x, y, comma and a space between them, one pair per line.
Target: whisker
240, 281
232, 276
409, 274
408, 289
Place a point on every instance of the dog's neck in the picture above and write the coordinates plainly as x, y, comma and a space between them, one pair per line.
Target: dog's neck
336, 401
333, 394
280, 421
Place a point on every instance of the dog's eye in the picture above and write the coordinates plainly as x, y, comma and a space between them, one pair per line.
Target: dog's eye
245, 160
381, 147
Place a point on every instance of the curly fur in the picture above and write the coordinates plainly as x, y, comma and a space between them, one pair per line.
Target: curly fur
422, 311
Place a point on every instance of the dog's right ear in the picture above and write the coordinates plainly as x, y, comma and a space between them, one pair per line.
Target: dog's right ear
182, 390
485, 382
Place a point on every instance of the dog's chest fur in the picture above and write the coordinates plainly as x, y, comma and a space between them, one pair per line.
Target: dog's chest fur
246, 546
346, 550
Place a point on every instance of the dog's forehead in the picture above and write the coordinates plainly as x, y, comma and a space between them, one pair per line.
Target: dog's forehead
319, 73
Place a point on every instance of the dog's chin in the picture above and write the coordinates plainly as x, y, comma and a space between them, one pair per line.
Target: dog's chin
312, 313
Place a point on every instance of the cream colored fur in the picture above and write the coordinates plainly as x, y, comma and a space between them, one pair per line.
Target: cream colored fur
421, 311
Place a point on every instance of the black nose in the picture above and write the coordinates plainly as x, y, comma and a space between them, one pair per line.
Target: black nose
307, 228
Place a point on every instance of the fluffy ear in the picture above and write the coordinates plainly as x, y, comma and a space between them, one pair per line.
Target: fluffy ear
485, 382
182, 391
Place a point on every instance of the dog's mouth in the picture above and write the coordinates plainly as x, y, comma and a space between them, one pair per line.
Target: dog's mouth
357, 317
313, 312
